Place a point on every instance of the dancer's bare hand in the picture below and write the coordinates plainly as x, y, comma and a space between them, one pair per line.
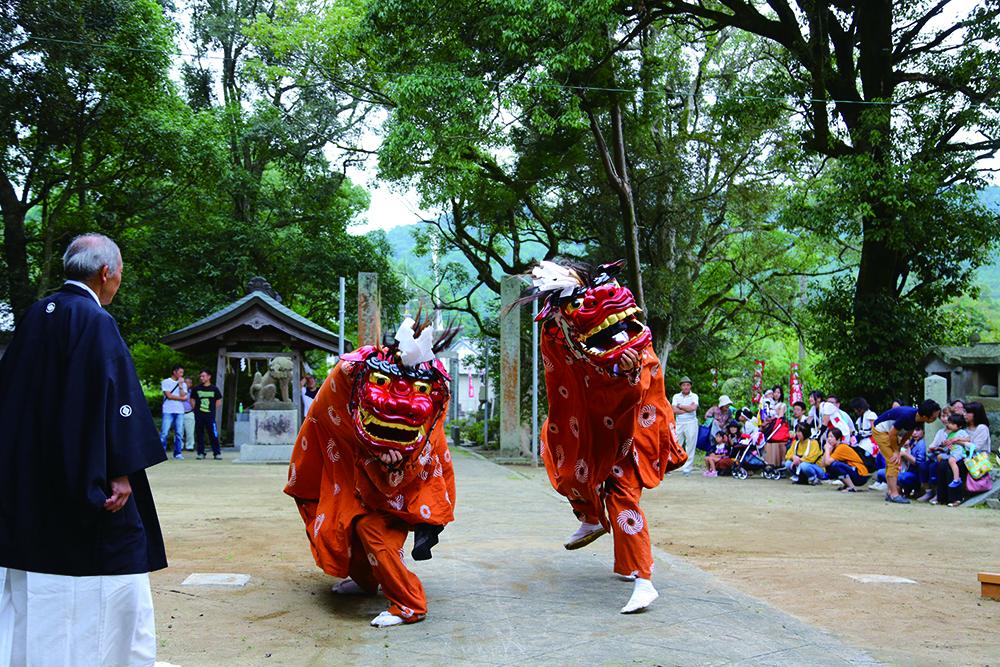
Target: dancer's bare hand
391, 457
629, 359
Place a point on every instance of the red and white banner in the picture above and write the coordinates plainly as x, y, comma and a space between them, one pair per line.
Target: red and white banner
472, 389
794, 385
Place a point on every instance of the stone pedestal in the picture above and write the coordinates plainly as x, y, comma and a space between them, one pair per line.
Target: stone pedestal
369, 309
935, 388
272, 436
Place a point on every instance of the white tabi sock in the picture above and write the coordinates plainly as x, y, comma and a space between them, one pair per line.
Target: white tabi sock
385, 620
643, 595
583, 532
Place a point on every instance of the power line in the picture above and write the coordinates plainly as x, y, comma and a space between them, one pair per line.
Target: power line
449, 77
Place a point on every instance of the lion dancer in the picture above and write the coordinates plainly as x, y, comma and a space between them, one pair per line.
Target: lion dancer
371, 465
610, 430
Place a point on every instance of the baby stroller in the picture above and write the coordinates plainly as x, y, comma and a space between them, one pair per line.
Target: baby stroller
747, 459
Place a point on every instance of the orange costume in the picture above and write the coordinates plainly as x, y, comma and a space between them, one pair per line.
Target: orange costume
610, 430
357, 508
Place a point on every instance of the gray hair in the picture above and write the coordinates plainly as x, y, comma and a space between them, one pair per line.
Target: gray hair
87, 254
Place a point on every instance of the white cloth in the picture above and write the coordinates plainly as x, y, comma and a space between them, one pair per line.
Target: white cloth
846, 418
679, 400
750, 427
172, 386
86, 287
980, 438
50, 620
307, 401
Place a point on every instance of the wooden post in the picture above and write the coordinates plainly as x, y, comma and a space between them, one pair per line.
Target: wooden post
220, 378
990, 585
369, 310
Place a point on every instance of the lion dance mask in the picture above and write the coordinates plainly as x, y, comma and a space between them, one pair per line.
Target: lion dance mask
610, 431
371, 464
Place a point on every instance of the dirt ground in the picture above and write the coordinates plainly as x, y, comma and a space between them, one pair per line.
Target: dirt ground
792, 546
789, 546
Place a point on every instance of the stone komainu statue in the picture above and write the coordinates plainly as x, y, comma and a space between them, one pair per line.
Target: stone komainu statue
266, 388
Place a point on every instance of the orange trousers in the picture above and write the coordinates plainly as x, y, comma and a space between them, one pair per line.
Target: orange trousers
377, 560
621, 494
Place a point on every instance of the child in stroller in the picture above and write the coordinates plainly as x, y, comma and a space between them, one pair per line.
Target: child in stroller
747, 458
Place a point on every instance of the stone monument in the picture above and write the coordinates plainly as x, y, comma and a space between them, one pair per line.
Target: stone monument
936, 389
273, 423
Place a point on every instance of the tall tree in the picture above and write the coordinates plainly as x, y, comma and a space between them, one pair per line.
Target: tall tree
78, 76
902, 97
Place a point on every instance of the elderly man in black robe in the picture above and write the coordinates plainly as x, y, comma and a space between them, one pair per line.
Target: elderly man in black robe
78, 529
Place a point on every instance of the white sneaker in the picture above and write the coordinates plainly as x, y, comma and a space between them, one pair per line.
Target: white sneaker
643, 595
348, 587
879, 486
386, 620
584, 535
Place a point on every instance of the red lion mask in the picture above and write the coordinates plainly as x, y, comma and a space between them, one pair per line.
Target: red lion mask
597, 316
395, 406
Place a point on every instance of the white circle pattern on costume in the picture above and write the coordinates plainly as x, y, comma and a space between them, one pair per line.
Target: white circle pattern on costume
633, 378
331, 451
569, 360
447, 456
438, 470
49, 308
320, 518
334, 417
333, 384
609, 422
560, 456
547, 363
582, 471
425, 511
422, 475
125, 411
563, 391
291, 474
647, 415
626, 447
372, 560
574, 427
576, 493
656, 465
553, 429
630, 522
305, 443
397, 502
336, 489
395, 477
617, 471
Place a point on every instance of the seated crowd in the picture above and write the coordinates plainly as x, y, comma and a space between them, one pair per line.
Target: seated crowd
819, 441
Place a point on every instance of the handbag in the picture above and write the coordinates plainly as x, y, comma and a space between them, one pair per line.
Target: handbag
979, 465
981, 485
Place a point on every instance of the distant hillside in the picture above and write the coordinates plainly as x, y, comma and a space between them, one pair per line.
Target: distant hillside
401, 240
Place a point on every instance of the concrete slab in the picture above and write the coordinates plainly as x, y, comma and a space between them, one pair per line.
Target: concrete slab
217, 579
879, 579
503, 591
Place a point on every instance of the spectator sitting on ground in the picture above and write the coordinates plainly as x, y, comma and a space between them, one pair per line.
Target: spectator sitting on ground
733, 432
816, 399
843, 463
804, 456
747, 421
952, 449
850, 435
830, 419
720, 414
865, 417
799, 410
720, 458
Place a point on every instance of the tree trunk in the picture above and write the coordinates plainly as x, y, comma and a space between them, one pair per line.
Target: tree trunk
15, 249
